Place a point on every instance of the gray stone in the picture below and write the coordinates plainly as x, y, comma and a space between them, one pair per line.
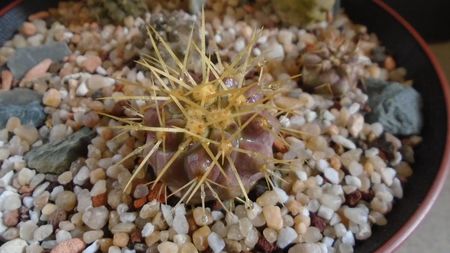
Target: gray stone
24, 104
26, 58
397, 107
56, 157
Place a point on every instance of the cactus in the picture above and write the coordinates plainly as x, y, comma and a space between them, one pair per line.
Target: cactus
302, 12
116, 10
332, 66
209, 135
175, 29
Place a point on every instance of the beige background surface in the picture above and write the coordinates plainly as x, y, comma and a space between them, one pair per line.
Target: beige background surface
433, 234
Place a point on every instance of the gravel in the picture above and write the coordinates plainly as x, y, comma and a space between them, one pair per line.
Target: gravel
61, 184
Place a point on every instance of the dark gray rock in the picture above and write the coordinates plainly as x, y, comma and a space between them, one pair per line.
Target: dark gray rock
397, 107
56, 157
26, 58
22, 103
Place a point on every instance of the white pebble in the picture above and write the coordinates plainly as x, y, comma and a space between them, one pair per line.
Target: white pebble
274, 51
93, 248
325, 212
239, 44
286, 236
355, 168
313, 205
216, 242
356, 215
167, 247
13, 246
301, 175
128, 217
310, 116
312, 235
9, 201
82, 90
341, 140
148, 229
340, 229
180, 223
25, 175
63, 235
348, 238
332, 175
42, 232
353, 181
321, 165
328, 241
82, 176
397, 189
388, 175
217, 215
6, 179
282, 195
167, 214
98, 188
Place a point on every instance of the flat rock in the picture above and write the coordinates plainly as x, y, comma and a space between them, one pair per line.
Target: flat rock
26, 58
56, 157
24, 104
397, 107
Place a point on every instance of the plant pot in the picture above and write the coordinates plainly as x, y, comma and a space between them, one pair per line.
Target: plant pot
410, 51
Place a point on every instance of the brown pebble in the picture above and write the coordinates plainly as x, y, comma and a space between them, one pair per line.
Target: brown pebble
318, 222
138, 203
7, 80
135, 237
368, 196
107, 134
28, 29
200, 238
156, 193
265, 246
25, 189
56, 217
191, 221
12, 124
11, 218
75, 245
90, 119
65, 71
38, 71
280, 146
92, 63
76, 39
105, 243
99, 200
39, 15
335, 162
353, 198
121, 239
389, 63
52, 98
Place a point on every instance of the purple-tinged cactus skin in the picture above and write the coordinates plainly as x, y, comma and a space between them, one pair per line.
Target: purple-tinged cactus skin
209, 130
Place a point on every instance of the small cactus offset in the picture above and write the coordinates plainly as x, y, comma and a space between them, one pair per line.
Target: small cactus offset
209, 135
332, 66
116, 10
302, 12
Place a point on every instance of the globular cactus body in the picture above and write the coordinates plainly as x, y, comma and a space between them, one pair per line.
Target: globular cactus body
195, 156
210, 132
117, 10
302, 12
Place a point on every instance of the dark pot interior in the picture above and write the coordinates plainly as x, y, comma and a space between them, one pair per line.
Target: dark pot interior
408, 53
